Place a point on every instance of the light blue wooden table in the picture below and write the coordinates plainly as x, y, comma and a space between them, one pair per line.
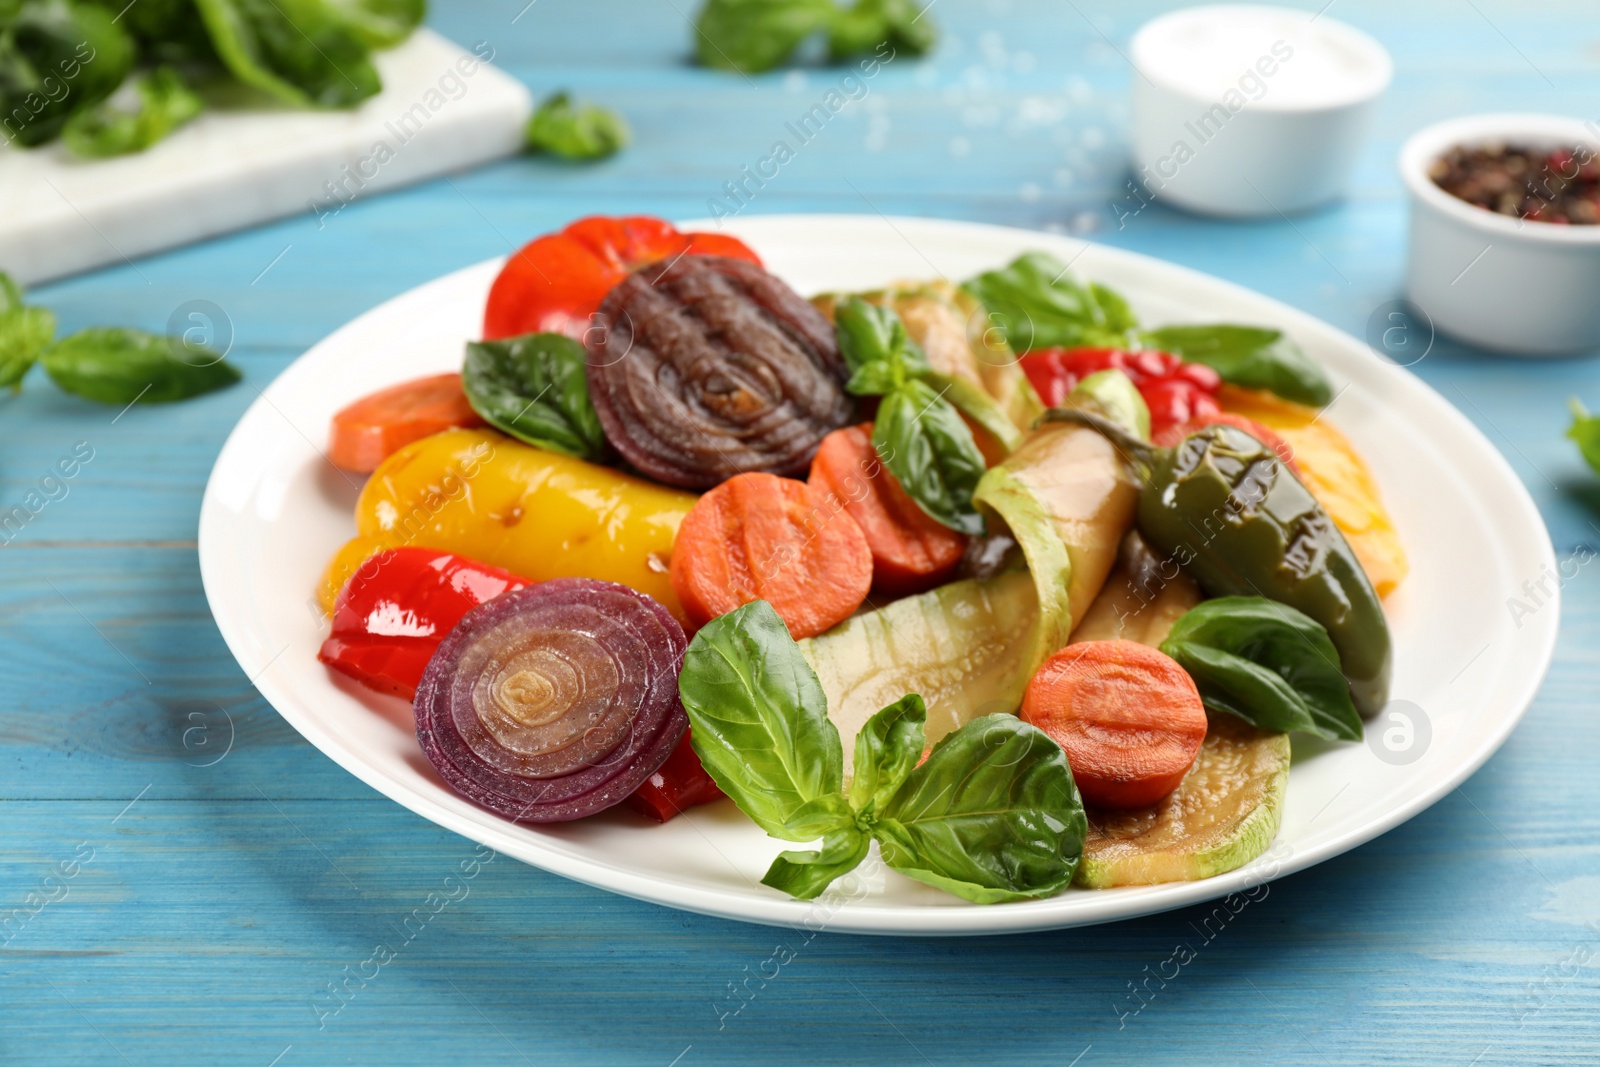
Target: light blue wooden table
210, 907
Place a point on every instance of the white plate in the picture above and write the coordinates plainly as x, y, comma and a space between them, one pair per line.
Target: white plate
274, 511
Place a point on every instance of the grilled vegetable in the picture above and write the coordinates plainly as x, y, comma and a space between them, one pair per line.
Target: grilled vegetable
1224, 814
1336, 475
555, 283
705, 367
911, 551
1222, 504
761, 537
370, 430
507, 504
398, 607
965, 647
1128, 717
554, 702
1144, 595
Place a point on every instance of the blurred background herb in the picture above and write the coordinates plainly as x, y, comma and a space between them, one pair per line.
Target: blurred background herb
755, 35
111, 77
576, 131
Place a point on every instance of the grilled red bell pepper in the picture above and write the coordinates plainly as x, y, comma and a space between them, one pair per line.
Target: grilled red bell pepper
1174, 391
554, 284
679, 783
394, 611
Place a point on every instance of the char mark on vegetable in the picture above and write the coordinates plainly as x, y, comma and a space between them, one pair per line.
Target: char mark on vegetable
705, 367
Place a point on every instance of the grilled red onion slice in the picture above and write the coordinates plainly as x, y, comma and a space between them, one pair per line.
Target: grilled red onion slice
556, 701
705, 367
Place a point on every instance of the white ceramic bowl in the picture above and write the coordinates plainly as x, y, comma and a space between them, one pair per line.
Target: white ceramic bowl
1528, 288
1246, 110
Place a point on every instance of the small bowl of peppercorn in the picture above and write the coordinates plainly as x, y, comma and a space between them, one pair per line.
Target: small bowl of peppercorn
1505, 231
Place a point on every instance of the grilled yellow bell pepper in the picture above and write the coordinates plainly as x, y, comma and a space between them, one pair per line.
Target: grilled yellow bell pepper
535, 513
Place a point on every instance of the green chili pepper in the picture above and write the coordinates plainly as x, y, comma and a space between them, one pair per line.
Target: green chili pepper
1224, 507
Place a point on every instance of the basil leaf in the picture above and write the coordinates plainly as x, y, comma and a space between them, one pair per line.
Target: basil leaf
806, 874
887, 748
756, 35
165, 103
115, 365
1249, 356
10, 294
299, 51
576, 132
533, 388
24, 333
993, 815
976, 404
759, 719
57, 58
379, 23
165, 31
867, 24
875, 346
1114, 310
1585, 430
930, 451
1037, 304
1267, 663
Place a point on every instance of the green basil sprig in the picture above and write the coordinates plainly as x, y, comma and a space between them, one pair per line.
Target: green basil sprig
379, 23
1037, 303
576, 131
533, 388
1248, 356
303, 52
756, 35
991, 815
24, 333
1267, 663
1585, 431
118, 365
57, 57
165, 103
918, 432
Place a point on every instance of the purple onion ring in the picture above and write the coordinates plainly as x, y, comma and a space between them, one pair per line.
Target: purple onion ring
555, 701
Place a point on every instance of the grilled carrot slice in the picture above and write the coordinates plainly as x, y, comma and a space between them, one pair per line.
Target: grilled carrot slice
762, 537
911, 550
375, 427
1128, 717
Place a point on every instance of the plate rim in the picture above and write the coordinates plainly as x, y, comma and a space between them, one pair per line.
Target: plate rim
956, 919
